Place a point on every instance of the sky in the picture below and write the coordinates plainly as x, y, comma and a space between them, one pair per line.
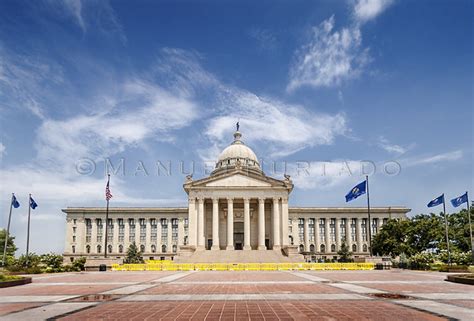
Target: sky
326, 91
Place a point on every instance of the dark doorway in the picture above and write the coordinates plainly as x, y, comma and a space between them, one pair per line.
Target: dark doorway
267, 243
238, 241
209, 244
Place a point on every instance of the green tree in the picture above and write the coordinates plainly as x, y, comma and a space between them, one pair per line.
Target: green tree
344, 254
11, 248
52, 262
133, 255
391, 239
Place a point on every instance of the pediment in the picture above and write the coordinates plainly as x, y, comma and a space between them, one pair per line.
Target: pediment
238, 180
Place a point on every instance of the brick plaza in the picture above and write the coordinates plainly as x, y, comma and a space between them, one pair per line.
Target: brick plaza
246, 295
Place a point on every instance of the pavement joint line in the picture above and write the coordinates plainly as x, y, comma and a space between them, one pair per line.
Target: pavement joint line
46, 312
240, 282
355, 288
438, 308
242, 297
443, 296
37, 298
172, 277
395, 282
309, 277
82, 283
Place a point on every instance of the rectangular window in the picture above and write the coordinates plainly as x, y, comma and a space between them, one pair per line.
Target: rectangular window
74, 221
374, 226
131, 230
322, 230
186, 226
385, 220
74, 229
364, 229
343, 230
311, 230
110, 231
154, 230
74, 238
353, 230
301, 229
88, 230
142, 223
121, 231
100, 230
164, 231
174, 230
290, 226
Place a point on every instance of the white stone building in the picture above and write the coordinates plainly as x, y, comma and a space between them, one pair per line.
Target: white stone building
237, 214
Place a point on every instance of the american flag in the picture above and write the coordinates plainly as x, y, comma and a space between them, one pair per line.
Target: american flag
108, 195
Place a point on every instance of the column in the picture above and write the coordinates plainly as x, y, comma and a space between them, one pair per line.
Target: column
284, 222
306, 234
276, 224
94, 243
215, 225
200, 235
359, 234
261, 224
230, 224
169, 246
247, 224
158, 234
180, 232
126, 235
147, 235
317, 242
327, 237
115, 241
81, 236
338, 234
192, 221
349, 233
379, 224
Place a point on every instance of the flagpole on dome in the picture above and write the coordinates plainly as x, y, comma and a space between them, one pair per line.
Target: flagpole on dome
7, 233
368, 214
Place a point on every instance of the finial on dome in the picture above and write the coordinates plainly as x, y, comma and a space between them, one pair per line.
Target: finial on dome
237, 125
237, 134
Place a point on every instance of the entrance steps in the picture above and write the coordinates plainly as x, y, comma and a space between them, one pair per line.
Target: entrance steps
238, 256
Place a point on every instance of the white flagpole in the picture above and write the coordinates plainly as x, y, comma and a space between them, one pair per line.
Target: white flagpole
446, 230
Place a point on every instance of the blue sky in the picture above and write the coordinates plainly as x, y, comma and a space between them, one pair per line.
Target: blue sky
315, 84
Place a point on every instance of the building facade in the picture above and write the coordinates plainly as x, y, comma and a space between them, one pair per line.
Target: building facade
236, 208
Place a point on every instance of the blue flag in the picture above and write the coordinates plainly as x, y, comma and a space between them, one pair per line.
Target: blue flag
459, 200
437, 201
15, 202
357, 191
33, 204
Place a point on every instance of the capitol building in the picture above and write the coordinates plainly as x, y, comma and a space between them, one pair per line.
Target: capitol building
236, 214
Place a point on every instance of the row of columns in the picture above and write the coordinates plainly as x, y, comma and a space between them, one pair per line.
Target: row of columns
81, 234
197, 223
338, 242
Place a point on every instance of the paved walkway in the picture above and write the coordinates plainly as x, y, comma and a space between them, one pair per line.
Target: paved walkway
277, 295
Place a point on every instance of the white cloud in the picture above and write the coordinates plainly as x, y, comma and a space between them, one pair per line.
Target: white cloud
266, 40
365, 10
331, 57
75, 8
392, 148
439, 158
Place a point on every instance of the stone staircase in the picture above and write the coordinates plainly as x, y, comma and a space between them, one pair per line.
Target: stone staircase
254, 256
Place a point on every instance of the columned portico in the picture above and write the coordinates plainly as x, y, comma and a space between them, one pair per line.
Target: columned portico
201, 239
276, 224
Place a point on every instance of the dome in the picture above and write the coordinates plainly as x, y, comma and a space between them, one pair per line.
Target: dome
239, 154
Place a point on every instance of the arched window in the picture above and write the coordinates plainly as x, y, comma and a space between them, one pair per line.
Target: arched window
323, 248
142, 248
301, 248
88, 249
311, 248
291, 239
120, 248
99, 249
354, 248
333, 248
153, 248
163, 248
365, 248
109, 248
186, 240
175, 248
73, 249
